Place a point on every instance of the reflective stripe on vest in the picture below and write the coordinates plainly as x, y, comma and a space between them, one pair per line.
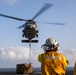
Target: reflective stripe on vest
53, 57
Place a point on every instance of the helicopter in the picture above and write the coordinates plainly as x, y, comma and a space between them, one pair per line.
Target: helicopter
30, 30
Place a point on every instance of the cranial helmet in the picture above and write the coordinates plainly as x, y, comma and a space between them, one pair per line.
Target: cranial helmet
50, 45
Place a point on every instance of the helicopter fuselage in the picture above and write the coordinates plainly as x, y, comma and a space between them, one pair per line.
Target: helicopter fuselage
30, 30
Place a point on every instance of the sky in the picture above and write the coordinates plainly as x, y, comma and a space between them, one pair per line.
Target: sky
13, 51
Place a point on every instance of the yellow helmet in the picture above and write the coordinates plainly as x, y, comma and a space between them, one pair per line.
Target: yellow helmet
51, 45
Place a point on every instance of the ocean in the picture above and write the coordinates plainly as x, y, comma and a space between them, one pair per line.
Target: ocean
37, 71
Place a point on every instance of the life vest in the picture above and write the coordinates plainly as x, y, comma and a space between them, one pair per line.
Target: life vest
52, 63
74, 71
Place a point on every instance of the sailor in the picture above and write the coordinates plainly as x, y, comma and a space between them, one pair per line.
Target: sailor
52, 62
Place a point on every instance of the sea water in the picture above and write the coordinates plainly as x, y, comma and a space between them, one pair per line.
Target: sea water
35, 69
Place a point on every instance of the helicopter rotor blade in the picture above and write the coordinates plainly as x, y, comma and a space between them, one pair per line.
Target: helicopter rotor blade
13, 17
21, 26
44, 8
53, 23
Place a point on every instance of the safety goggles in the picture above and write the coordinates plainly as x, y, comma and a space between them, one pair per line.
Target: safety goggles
45, 47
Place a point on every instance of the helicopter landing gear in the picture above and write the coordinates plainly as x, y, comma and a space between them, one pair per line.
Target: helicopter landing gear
27, 41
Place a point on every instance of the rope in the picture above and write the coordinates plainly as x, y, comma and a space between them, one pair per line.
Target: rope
29, 55
29, 51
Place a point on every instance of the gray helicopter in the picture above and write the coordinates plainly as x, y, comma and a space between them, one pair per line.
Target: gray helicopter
30, 30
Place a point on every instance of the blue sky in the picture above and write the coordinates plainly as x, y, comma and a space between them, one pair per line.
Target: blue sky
13, 52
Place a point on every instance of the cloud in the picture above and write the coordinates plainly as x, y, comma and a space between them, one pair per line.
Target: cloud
9, 2
17, 55
14, 53
36, 53
70, 55
22, 53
